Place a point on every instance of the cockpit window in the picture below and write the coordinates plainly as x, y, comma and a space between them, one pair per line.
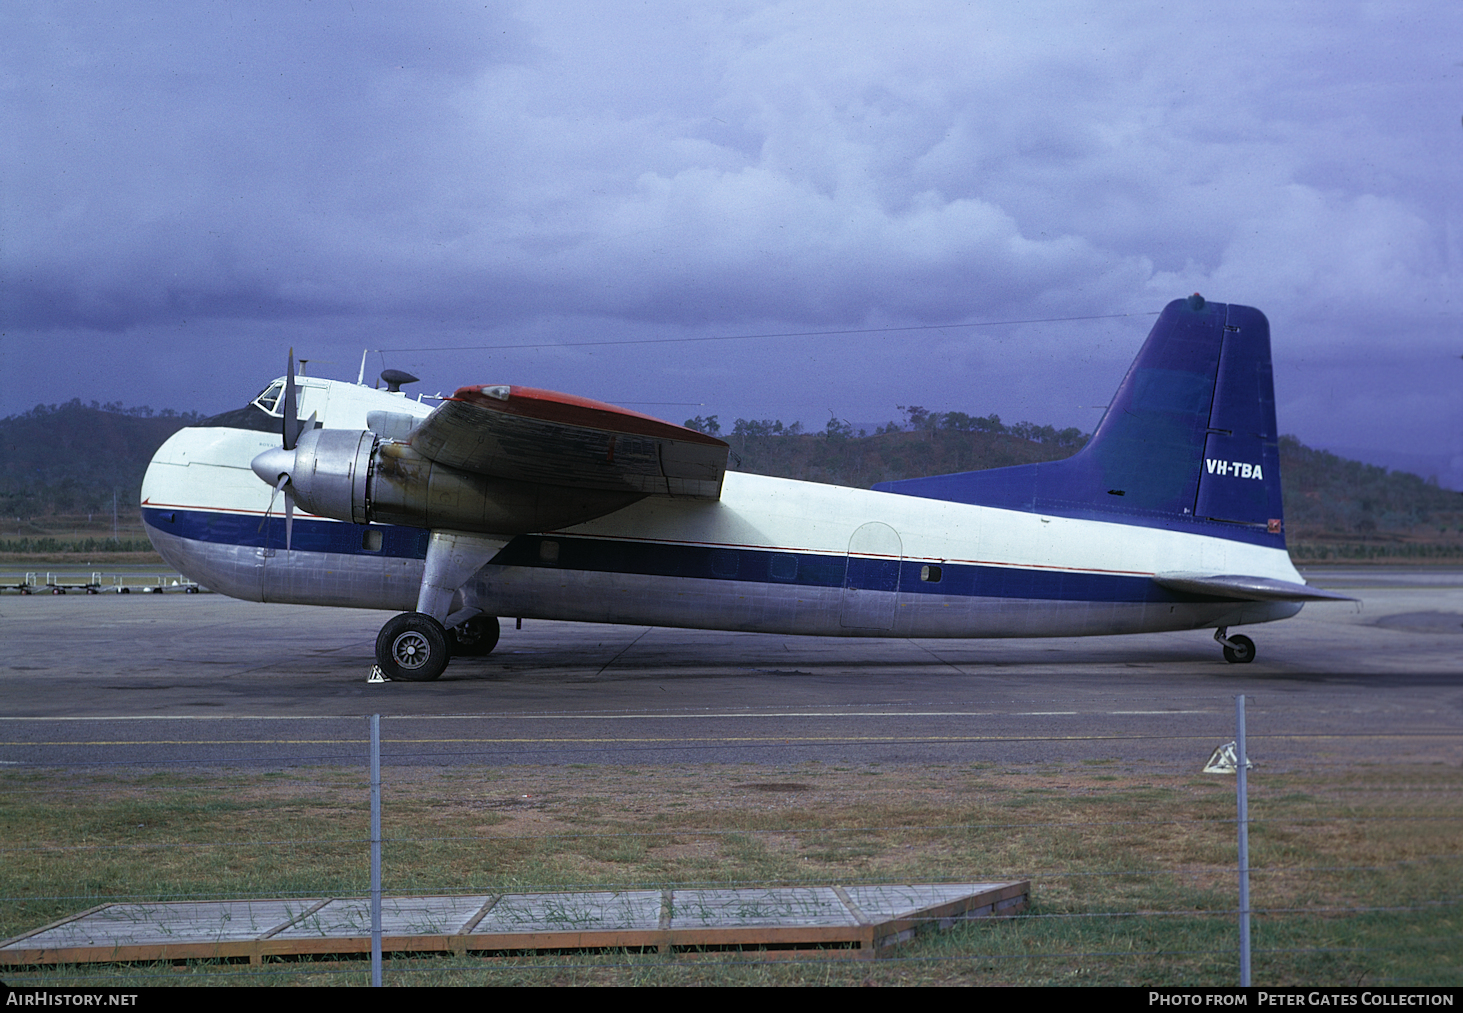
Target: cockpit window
269, 398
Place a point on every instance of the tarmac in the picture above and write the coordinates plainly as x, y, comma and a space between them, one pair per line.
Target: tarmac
207, 681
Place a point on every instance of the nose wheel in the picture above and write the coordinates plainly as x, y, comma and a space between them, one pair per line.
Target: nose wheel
412, 647
1238, 650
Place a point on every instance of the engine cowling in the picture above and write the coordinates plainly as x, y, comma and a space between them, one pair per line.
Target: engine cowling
354, 475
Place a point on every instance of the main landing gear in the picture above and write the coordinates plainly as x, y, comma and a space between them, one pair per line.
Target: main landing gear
475, 637
414, 647
1238, 650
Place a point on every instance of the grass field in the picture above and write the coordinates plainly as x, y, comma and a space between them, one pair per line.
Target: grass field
1133, 882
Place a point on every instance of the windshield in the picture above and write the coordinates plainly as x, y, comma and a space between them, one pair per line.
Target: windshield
269, 398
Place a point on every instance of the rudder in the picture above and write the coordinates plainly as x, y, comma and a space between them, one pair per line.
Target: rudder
1240, 480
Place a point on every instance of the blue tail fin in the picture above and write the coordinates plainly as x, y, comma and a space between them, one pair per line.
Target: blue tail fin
1188, 442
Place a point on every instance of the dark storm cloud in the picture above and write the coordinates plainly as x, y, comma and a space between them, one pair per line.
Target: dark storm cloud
184, 182
196, 158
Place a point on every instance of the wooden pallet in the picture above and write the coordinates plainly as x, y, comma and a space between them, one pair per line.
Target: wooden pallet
851, 921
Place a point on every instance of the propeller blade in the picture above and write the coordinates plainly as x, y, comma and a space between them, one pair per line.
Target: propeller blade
289, 518
291, 412
284, 480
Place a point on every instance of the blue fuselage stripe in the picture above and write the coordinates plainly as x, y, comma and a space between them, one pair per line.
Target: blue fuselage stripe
757, 565
309, 534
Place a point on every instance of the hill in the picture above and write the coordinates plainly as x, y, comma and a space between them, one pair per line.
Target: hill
1341, 509
1335, 508
61, 464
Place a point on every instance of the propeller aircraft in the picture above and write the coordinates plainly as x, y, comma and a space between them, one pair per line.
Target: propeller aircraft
514, 501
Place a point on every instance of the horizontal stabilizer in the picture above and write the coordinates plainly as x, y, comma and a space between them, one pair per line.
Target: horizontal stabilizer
1230, 585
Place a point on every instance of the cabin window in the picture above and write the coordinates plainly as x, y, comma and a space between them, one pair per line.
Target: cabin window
784, 567
548, 551
724, 563
930, 574
371, 539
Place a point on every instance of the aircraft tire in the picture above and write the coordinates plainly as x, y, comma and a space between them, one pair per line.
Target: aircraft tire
476, 637
1242, 653
412, 647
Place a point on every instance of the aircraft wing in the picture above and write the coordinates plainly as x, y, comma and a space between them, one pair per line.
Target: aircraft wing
542, 436
1245, 588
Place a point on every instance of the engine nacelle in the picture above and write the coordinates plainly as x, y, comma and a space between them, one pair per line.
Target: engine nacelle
355, 476
331, 473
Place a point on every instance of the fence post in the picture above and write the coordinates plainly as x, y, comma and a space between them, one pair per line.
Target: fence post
1241, 763
376, 850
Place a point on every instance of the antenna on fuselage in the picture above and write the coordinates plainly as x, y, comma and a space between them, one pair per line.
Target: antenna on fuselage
361, 376
395, 378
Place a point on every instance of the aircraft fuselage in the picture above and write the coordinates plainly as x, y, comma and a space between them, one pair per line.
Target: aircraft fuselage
771, 555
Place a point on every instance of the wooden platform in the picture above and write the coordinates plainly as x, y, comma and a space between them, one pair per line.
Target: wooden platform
852, 921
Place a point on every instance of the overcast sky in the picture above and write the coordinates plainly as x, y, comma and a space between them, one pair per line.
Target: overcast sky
189, 189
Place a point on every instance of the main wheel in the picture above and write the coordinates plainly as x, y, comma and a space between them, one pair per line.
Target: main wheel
1241, 653
476, 637
412, 647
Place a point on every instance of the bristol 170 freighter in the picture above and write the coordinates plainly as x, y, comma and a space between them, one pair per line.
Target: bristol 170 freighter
513, 501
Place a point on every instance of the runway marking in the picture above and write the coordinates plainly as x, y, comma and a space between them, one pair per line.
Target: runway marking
592, 716
1162, 713
1450, 733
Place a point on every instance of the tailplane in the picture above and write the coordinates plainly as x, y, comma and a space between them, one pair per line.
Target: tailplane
1188, 442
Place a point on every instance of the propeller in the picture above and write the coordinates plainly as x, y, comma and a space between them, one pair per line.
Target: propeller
274, 466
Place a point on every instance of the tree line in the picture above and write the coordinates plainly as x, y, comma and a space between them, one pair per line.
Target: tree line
917, 419
71, 459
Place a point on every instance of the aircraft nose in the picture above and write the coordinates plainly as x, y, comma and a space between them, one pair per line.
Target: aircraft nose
273, 463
